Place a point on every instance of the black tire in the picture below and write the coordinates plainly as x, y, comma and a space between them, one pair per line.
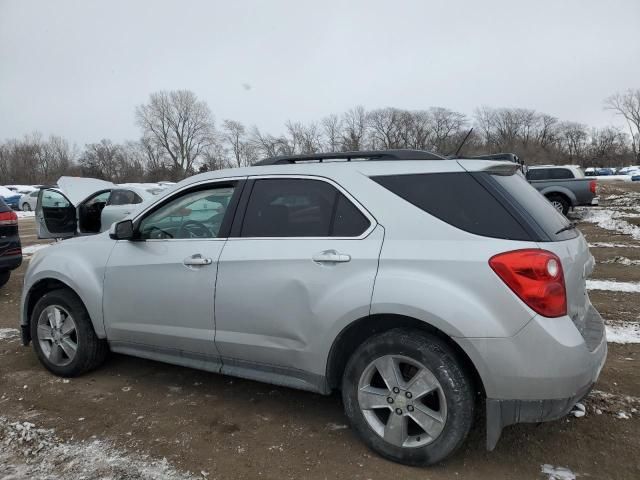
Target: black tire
91, 350
560, 203
455, 385
26, 207
4, 277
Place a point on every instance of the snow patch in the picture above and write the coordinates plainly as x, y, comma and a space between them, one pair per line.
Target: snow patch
610, 220
625, 332
622, 261
557, 473
8, 333
37, 454
612, 245
26, 214
613, 286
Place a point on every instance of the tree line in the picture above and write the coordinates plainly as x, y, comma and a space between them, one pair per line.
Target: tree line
179, 138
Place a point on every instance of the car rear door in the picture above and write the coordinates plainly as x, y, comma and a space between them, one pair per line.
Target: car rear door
301, 258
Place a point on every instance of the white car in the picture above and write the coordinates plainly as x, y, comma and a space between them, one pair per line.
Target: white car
89, 205
28, 201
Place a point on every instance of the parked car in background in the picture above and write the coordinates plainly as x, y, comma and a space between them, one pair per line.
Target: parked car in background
10, 247
28, 201
11, 198
629, 170
86, 206
564, 186
414, 284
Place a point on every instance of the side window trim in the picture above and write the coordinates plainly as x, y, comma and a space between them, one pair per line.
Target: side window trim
236, 229
238, 184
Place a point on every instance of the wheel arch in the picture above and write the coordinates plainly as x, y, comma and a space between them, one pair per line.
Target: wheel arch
360, 330
564, 193
35, 292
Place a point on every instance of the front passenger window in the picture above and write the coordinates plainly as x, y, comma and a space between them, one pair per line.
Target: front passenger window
195, 214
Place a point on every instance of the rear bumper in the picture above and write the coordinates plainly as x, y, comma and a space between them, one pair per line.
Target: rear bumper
541, 372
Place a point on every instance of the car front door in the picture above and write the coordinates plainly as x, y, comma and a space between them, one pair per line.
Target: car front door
302, 259
159, 287
55, 215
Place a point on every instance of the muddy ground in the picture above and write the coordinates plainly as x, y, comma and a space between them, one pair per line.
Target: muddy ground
213, 426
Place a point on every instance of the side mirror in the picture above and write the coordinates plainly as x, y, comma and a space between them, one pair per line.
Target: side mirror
122, 230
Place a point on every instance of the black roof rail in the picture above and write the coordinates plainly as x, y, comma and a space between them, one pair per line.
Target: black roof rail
401, 154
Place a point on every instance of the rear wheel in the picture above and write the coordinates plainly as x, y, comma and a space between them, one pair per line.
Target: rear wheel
26, 207
63, 335
4, 278
559, 203
407, 396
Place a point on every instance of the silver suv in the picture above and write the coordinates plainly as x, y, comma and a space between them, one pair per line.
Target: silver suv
418, 286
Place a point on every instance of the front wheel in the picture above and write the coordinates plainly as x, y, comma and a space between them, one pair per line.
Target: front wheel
63, 335
407, 396
26, 207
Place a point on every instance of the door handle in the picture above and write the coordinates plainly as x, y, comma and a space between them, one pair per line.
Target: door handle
331, 256
197, 259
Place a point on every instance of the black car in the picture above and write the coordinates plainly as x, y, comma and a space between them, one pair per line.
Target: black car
10, 247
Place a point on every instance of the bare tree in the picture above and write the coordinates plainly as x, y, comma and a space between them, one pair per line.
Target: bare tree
332, 130
235, 139
354, 129
180, 124
384, 125
445, 124
628, 105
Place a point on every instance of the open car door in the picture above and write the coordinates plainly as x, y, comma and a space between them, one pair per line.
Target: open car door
55, 215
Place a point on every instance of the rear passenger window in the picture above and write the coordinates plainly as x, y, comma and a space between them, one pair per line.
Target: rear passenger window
124, 197
538, 174
282, 207
561, 173
459, 200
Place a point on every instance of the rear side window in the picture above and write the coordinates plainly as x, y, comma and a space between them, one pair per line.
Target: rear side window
124, 197
538, 174
549, 174
281, 207
458, 199
561, 173
534, 205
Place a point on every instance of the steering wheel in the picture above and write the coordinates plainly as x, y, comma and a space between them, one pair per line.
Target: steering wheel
194, 229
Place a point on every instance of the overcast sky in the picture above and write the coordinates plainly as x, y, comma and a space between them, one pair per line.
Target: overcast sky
79, 68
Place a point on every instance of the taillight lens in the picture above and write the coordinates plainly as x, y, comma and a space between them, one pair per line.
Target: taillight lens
592, 186
536, 276
8, 218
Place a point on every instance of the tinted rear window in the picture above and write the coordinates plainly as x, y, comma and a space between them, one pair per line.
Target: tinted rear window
460, 200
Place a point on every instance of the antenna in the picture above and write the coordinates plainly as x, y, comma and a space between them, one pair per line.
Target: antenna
464, 140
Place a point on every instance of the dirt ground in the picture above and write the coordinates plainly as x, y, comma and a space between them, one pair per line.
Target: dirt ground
213, 426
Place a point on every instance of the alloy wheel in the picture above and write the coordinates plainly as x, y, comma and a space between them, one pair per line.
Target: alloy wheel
57, 335
402, 401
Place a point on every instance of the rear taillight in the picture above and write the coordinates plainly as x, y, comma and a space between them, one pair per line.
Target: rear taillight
536, 276
8, 218
592, 186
